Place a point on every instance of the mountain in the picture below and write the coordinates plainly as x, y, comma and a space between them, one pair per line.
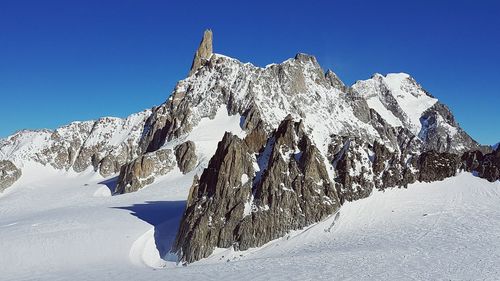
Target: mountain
269, 150
103, 145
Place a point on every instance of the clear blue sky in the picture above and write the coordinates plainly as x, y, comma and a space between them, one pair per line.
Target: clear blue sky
62, 61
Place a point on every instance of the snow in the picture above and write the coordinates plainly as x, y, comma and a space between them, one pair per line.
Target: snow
374, 103
53, 227
108, 132
495, 146
208, 133
411, 100
247, 210
244, 179
323, 109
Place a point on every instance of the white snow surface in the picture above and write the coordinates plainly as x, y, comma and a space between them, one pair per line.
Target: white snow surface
376, 104
61, 226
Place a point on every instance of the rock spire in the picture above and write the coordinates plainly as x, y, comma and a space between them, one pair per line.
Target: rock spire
203, 53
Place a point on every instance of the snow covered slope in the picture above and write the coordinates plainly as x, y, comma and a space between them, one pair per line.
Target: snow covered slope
74, 230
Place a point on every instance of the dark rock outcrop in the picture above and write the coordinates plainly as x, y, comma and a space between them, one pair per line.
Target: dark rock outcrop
185, 154
9, 174
143, 170
486, 166
434, 166
335, 81
353, 176
236, 205
441, 133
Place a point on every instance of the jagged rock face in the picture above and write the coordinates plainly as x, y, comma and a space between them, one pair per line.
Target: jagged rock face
360, 166
335, 81
387, 109
203, 53
104, 145
253, 123
353, 173
404, 103
243, 200
486, 166
292, 188
216, 201
440, 132
9, 174
185, 154
297, 86
143, 170
434, 166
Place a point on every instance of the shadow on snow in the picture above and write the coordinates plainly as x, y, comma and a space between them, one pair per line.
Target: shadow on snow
165, 216
111, 184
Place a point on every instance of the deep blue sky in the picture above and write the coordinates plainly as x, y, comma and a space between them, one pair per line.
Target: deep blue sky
62, 61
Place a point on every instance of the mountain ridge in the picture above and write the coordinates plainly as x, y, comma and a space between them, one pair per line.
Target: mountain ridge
288, 134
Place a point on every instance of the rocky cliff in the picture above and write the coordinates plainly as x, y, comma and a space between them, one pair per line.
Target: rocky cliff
484, 165
245, 198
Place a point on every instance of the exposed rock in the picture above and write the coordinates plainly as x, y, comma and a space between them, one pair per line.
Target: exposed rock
216, 201
9, 174
203, 53
441, 133
143, 170
185, 155
436, 166
486, 166
232, 204
353, 173
335, 81
103, 145
360, 166
253, 123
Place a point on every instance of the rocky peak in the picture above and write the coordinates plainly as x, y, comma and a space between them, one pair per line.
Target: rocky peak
335, 81
244, 200
203, 53
302, 57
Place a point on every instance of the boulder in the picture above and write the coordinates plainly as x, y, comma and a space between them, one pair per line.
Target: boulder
9, 174
185, 154
143, 170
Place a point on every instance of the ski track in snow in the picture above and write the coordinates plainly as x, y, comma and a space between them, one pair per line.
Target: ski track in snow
55, 228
